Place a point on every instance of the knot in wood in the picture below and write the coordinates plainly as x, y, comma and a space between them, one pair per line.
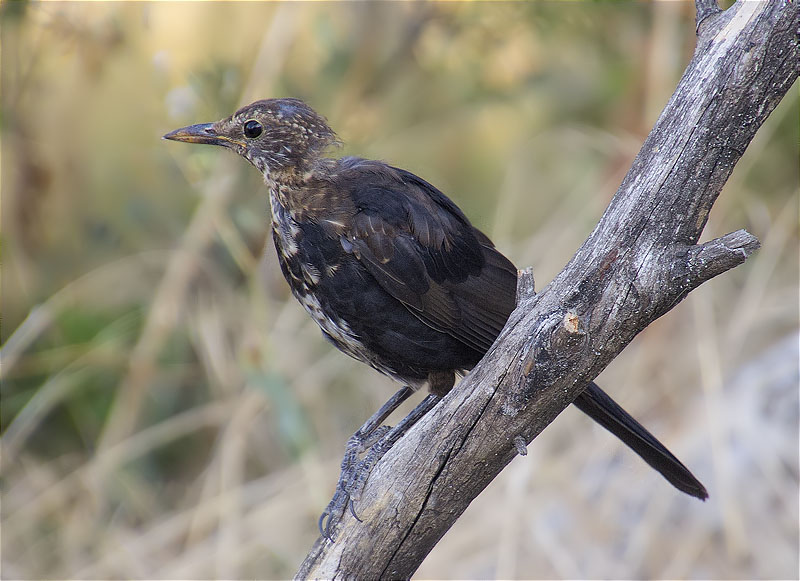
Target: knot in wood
572, 323
554, 349
568, 337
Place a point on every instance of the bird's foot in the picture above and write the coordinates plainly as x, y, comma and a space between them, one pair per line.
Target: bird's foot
363, 439
376, 441
351, 478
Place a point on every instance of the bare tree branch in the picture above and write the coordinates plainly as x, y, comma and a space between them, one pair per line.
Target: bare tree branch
638, 263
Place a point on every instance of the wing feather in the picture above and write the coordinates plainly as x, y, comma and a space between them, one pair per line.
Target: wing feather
424, 252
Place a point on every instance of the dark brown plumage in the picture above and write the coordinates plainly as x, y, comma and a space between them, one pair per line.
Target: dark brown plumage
390, 268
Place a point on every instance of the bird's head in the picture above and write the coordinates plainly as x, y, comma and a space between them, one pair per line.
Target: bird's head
274, 134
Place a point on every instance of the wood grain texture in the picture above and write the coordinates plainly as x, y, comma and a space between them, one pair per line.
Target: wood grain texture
638, 263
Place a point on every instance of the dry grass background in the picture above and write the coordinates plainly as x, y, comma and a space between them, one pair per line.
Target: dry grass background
169, 412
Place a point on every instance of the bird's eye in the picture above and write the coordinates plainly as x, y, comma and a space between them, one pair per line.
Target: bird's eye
252, 129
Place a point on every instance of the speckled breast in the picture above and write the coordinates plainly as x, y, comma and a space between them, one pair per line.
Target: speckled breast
310, 262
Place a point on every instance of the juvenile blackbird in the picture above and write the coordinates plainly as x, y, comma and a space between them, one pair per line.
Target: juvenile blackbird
392, 272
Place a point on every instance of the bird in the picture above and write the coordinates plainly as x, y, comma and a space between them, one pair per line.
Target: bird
394, 274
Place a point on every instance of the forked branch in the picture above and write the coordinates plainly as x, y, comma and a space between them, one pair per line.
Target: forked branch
638, 263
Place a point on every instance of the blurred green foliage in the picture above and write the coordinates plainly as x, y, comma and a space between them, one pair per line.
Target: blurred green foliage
132, 290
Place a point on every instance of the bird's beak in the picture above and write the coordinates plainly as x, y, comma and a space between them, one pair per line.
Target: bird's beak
200, 133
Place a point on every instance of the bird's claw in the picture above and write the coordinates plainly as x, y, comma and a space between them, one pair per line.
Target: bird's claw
332, 514
352, 479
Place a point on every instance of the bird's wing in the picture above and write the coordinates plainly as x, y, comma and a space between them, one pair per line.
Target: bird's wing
424, 252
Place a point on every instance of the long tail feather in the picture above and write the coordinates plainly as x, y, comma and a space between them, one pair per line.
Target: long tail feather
595, 403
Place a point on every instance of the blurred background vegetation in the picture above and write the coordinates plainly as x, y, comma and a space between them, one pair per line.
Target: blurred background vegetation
168, 411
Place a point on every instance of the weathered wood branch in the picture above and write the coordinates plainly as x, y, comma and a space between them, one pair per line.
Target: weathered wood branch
638, 263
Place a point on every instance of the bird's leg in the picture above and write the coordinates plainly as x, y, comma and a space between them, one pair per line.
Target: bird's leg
366, 436
369, 433
383, 445
379, 440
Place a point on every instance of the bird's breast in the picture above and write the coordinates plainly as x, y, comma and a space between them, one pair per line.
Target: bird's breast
290, 241
311, 260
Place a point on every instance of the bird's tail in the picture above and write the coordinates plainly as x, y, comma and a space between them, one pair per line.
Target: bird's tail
595, 403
